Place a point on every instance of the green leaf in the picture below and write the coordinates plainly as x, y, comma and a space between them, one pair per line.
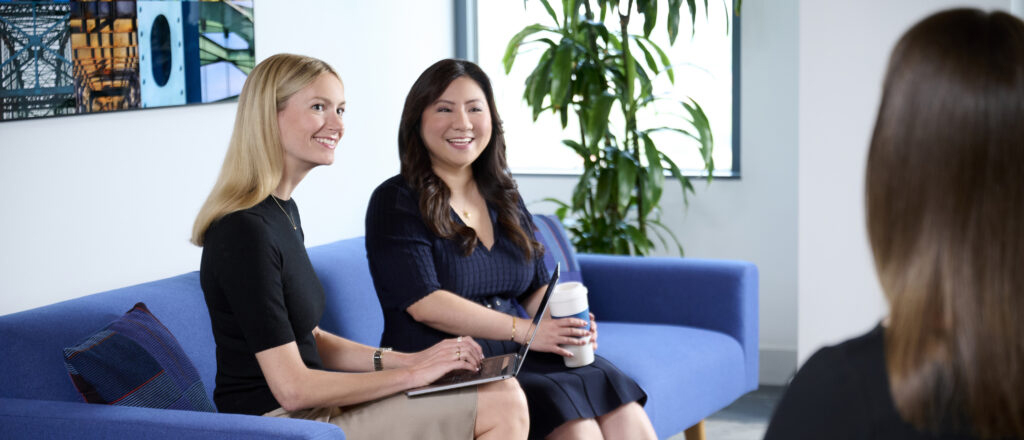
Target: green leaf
576, 147
555, 201
551, 11
597, 125
665, 61
626, 169
650, 15
513, 45
651, 63
655, 172
673, 20
646, 87
692, 5
540, 83
605, 185
670, 233
684, 182
561, 74
704, 135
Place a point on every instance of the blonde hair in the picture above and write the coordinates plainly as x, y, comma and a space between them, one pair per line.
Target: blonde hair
253, 164
945, 217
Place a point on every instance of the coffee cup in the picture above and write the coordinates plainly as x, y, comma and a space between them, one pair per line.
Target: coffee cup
569, 300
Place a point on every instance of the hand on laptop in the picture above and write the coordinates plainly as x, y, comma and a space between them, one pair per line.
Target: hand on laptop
462, 353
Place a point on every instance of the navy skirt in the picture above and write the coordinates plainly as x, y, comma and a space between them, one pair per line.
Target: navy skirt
557, 394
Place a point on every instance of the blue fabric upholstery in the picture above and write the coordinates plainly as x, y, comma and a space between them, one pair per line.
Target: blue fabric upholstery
42, 419
685, 329
557, 247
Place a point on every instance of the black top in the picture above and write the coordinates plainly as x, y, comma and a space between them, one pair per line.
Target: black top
409, 262
261, 292
842, 392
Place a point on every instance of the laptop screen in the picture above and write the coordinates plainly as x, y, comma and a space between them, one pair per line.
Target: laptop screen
541, 310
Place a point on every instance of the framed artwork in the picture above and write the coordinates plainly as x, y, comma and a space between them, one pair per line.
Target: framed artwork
90, 56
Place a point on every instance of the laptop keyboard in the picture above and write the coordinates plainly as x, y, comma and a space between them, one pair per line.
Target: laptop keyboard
491, 367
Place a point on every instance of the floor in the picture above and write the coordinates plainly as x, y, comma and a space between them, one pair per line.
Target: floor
746, 419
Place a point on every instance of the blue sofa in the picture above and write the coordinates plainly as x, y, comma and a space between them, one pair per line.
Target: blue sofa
685, 329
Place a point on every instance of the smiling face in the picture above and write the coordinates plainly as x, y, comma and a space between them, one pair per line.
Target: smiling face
310, 124
457, 126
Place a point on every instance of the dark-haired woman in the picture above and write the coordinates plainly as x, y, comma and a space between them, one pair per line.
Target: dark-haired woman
945, 215
451, 252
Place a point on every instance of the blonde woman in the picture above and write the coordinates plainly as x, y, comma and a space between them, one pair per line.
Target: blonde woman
265, 300
945, 216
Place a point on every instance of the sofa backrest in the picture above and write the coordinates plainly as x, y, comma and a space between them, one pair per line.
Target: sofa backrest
32, 341
353, 310
557, 247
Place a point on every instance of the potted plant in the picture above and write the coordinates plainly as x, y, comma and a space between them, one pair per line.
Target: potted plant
588, 69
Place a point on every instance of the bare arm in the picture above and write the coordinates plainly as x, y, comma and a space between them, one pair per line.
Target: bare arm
533, 301
342, 354
454, 314
297, 387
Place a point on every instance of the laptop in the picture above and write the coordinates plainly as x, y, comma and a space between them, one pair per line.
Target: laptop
495, 367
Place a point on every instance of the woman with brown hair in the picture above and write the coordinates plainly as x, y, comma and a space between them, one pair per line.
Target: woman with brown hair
451, 251
265, 300
945, 215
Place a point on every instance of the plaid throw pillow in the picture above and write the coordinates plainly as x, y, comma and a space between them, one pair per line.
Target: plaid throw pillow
136, 361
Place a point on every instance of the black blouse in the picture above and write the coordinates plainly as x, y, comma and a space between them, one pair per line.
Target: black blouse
842, 392
261, 292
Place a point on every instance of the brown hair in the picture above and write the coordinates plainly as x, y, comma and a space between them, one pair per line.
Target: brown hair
490, 170
945, 216
253, 164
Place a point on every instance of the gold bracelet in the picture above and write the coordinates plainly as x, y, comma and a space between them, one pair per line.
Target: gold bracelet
513, 339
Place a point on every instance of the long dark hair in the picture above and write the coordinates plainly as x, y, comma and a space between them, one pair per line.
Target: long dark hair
490, 170
945, 215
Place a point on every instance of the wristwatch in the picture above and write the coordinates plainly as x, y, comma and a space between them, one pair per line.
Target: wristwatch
377, 366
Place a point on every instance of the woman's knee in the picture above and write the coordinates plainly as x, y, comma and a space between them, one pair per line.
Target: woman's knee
510, 396
502, 406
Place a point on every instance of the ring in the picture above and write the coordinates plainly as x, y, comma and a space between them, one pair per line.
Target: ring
458, 355
458, 339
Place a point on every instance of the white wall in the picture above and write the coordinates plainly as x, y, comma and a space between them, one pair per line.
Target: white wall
103, 201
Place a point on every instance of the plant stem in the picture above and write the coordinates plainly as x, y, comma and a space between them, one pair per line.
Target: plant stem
629, 109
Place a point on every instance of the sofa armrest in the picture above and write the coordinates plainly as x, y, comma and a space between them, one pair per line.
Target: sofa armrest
26, 418
719, 295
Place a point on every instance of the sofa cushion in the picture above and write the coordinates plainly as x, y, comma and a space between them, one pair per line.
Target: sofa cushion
136, 361
687, 372
557, 247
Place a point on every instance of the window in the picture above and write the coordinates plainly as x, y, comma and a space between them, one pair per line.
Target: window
704, 70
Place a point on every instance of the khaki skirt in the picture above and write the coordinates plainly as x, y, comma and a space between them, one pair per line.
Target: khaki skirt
442, 416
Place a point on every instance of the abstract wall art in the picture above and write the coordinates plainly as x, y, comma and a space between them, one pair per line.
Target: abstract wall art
91, 56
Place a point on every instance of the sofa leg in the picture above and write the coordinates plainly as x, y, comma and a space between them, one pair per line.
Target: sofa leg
695, 432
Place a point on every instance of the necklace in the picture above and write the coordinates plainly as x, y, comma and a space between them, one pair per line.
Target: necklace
285, 213
465, 212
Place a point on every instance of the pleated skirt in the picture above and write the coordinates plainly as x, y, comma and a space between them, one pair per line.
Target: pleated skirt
557, 394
